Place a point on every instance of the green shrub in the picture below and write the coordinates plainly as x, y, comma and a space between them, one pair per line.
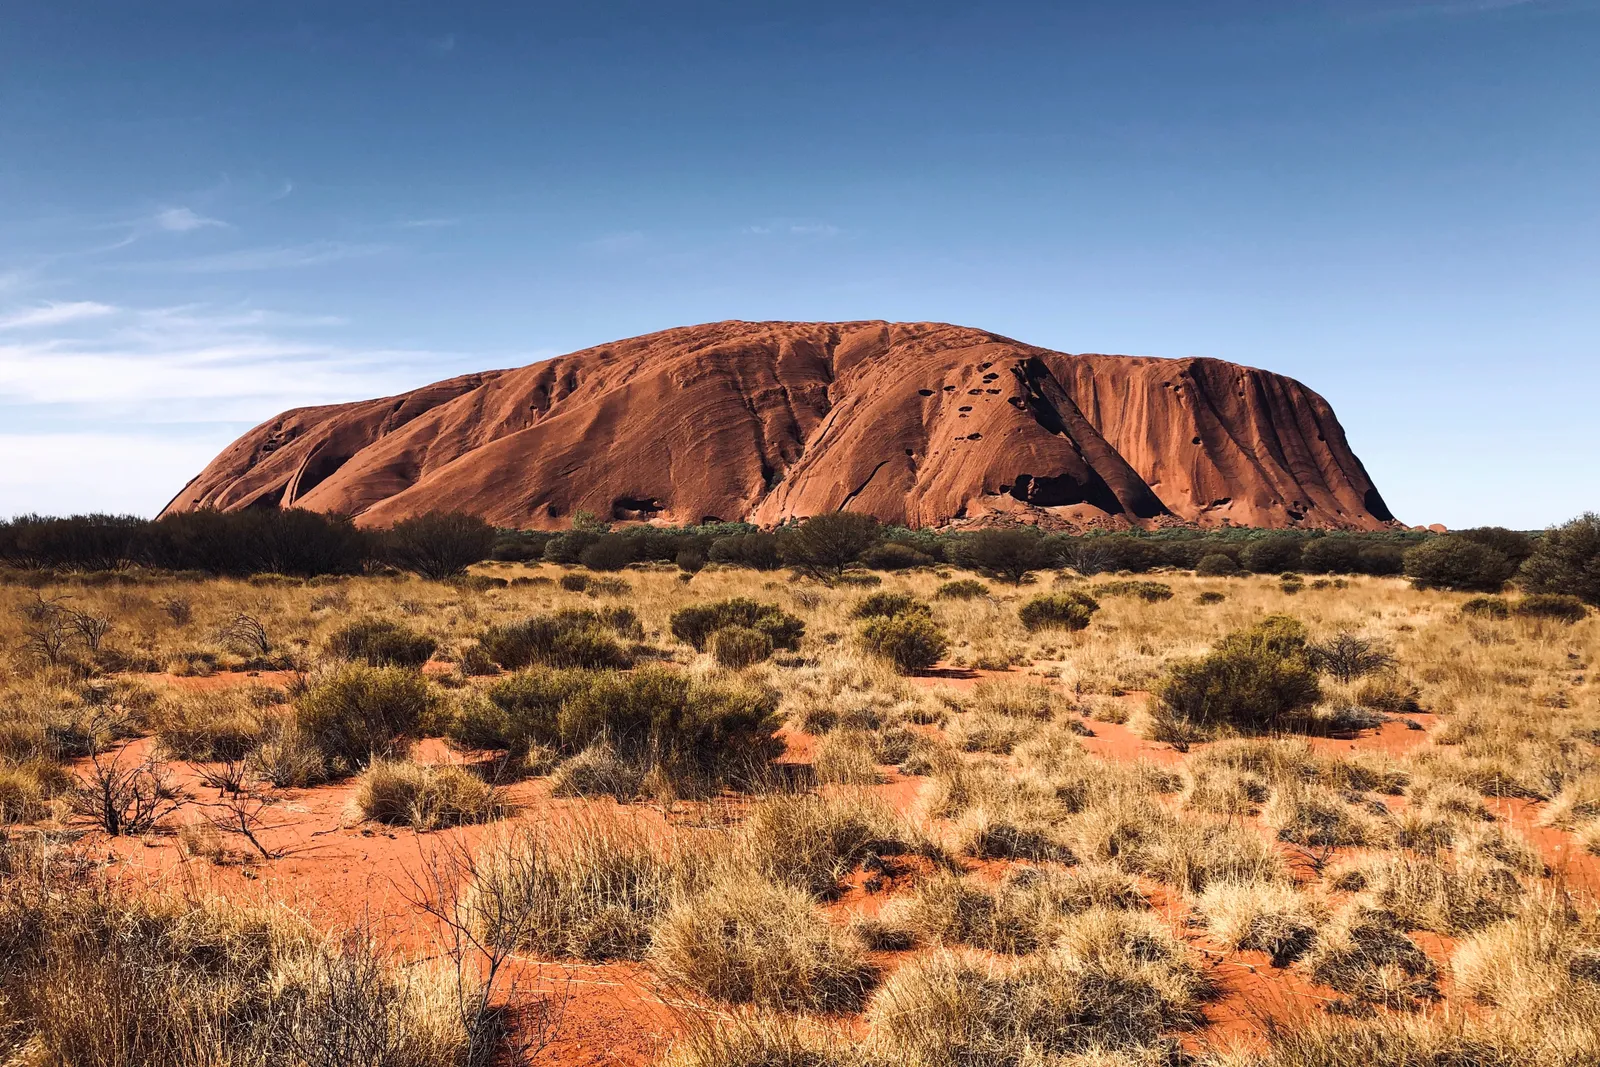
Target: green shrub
962, 589
380, 643
823, 546
740, 646
611, 553
656, 715
1272, 553
911, 641
1558, 606
1567, 560
438, 544
1254, 679
518, 712
696, 623
882, 605
574, 582
1217, 565
1060, 611
892, 556
1487, 607
1210, 596
1150, 592
1453, 561
1008, 553
580, 638
355, 714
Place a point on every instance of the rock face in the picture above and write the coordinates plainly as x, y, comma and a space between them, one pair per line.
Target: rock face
916, 423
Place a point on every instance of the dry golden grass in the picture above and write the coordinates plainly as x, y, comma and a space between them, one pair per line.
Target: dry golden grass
1414, 837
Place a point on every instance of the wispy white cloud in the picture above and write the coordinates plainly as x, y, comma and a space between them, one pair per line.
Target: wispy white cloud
793, 229
443, 43
426, 224
183, 220
271, 257
55, 314
625, 241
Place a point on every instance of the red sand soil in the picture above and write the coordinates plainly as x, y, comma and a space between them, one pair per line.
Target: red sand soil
342, 873
916, 423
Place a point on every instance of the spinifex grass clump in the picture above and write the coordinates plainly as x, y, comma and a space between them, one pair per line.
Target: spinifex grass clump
574, 638
1058, 611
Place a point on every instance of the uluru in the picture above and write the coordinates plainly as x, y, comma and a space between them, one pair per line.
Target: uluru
925, 424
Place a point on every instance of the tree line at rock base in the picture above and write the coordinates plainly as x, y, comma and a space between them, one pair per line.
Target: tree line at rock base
307, 544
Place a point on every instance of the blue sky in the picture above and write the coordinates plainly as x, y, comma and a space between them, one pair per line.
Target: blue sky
213, 210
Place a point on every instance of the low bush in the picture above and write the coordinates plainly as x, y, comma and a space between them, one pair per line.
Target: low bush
696, 623
911, 642
1058, 611
1217, 565
892, 556
1348, 656
655, 717
961, 589
883, 605
424, 798
1149, 592
579, 638
381, 643
1566, 560
1487, 607
1210, 596
1560, 607
1255, 679
354, 714
737, 647
1453, 561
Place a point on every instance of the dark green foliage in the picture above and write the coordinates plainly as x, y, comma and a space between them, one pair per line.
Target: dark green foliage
291, 541
356, 713
569, 547
1272, 554
696, 623
824, 545
611, 552
758, 551
1255, 679
582, 638
1567, 560
574, 583
519, 546
654, 713
1059, 611
884, 604
380, 643
1454, 561
77, 543
1210, 596
1150, 592
738, 647
1487, 607
1383, 559
1216, 565
1009, 553
911, 641
961, 589
691, 560
440, 544
1512, 544
1558, 606
893, 556
1333, 554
